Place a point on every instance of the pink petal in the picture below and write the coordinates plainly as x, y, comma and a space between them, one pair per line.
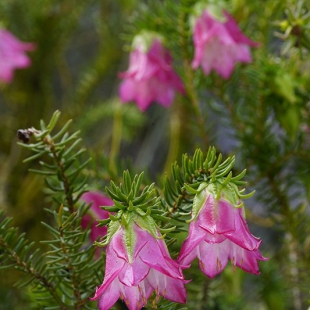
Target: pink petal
141, 67
218, 56
243, 53
97, 199
173, 265
245, 259
141, 92
160, 56
108, 297
133, 274
95, 232
234, 30
7, 39
213, 257
117, 244
95, 212
195, 236
154, 255
216, 216
165, 97
167, 287
218, 45
127, 90
150, 77
242, 236
114, 265
136, 297
12, 55
214, 238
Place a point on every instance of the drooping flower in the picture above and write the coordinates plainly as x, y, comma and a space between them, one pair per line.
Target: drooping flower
97, 199
12, 55
137, 264
218, 233
150, 76
219, 42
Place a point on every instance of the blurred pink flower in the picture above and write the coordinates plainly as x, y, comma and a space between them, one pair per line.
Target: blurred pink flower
150, 76
219, 44
12, 55
136, 265
95, 212
217, 234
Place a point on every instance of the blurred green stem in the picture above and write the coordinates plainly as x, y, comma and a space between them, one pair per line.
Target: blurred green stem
174, 145
72, 269
116, 137
62, 173
291, 239
205, 294
189, 80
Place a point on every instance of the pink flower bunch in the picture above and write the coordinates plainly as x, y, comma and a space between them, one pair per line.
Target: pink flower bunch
219, 233
219, 43
137, 264
97, 200
12, 55
150, 76
137, 259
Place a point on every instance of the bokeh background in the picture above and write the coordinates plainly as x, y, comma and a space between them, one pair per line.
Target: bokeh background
261, 115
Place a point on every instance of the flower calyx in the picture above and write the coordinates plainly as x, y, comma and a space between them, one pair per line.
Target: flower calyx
131, 205
211, 176
145, 39
215, 8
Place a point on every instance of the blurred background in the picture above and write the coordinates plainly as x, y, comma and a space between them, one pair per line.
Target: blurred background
261, 115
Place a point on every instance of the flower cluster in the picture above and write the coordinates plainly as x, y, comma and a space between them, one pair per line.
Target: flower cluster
137, 259
218, 45
12, 55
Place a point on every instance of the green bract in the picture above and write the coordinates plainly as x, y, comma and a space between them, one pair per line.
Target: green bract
133, 205
145, 40
200, 175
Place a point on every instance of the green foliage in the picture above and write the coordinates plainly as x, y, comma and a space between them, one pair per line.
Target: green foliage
65, 169
261, 115
63, 276
200, 170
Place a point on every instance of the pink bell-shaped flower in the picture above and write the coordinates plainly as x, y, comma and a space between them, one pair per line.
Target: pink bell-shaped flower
12, 55
137, 264
219, 42
218, 233
97, 200
150, 76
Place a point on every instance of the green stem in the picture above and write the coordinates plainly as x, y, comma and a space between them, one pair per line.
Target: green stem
205, 293
175, 128
189, 81
291, 239
116, 137
64, 178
